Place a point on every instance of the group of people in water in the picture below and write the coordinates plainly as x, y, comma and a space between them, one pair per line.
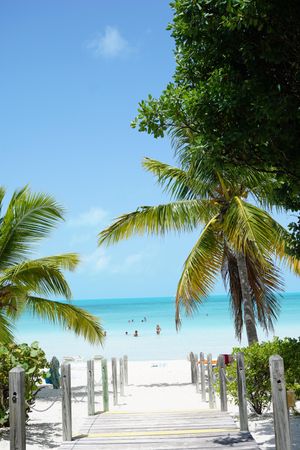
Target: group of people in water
136, 333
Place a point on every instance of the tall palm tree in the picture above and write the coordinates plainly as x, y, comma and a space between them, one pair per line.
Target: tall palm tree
238, 238
26, 284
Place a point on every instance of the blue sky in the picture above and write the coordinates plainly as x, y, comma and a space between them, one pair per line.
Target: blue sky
72, 74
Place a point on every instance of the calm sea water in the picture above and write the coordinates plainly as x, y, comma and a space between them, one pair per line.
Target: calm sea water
210, 330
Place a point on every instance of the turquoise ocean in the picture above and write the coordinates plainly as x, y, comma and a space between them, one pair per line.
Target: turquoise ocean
210, 330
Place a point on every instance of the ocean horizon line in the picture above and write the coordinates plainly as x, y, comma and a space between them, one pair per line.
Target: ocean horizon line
168, 296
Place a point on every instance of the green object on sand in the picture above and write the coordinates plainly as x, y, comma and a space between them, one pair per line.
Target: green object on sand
54, 373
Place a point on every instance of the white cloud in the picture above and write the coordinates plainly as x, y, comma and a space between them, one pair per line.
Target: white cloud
93, 217
94, 262
130, 262
110, 44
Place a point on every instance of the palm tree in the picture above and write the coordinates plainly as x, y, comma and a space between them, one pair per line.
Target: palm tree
27, 283
238, 238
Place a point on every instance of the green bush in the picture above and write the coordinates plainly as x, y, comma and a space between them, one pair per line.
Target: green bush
258, 382
32, 359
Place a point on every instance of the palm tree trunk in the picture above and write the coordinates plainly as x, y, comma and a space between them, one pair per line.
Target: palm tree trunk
249, 318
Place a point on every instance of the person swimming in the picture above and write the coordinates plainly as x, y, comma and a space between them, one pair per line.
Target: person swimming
135, 333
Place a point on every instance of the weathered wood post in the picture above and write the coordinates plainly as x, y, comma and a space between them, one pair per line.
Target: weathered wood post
222, 381
66, 401
17, 408
242, 394
196, 369
280, 408
202, 377
114, 380
121, 366
91, 387
105, 393
192, 361
211, 391
126, 369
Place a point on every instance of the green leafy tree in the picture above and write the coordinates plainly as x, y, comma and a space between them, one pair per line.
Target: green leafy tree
26, 284
238, 238
33, 360
236, 88
257, 370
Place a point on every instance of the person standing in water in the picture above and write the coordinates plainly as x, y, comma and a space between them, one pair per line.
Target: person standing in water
158, 329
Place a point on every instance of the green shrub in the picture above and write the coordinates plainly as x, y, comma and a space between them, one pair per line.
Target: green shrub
258, 382
32, 359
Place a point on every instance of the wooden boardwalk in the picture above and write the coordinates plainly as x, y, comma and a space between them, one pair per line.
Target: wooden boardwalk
161, 430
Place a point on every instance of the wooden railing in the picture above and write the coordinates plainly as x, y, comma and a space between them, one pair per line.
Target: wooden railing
278, 387
17, 403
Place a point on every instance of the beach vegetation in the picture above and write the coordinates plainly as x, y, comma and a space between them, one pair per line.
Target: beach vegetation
236, 89
258, 384
238, 239
26, 283
32, 359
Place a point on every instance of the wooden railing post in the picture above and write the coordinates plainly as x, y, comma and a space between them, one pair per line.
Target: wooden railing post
66, 401
196, 369
242, 393
121, 365
126, 369
91, 387
105, 393
280, 408
222, 381
114, 380
192, 361
211, 391
202, 377
17, 408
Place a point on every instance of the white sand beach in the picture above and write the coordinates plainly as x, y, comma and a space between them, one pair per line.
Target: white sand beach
153, 386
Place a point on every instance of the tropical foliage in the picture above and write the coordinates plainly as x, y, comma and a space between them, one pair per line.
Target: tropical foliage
238, 238
236, 88
257, 370
33, 360
27, 284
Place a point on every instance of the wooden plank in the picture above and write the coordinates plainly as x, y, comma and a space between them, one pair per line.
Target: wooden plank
114, 380
66, 401
91, 387
105, 394
242, 393
17, 408
279, 400
125, 358
222, 381
202, 377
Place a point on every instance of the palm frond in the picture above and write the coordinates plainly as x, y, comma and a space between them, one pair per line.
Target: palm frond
265, 284
180, 184
68, 316
200, 271
6, 330
29, 218
246, 224
177, 216
42, 276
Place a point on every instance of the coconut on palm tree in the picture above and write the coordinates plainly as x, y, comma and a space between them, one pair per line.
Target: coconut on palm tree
238, 239
27, 284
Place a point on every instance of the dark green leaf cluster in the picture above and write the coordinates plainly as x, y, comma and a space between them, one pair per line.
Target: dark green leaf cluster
33, 360
257, 370
236, 86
